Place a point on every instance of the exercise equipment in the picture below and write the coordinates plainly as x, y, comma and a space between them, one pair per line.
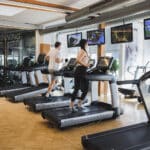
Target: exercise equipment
16, 83
34, 71
95, 111
40, 103
133, 92
134, 137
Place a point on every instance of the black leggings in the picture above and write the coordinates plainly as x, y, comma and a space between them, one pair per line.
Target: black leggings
81, 83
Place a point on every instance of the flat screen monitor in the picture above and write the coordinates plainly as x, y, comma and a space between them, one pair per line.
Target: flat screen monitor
147, 29
96, 37
73, 40
104, 63
122, 34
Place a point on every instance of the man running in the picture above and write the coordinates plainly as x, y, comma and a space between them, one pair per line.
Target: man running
54, 61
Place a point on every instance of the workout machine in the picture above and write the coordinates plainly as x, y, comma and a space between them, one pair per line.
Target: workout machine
133, 92
95, 111
134, 137
20, 84
40, 103
34, 71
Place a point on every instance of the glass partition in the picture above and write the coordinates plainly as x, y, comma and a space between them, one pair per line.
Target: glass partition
15, 46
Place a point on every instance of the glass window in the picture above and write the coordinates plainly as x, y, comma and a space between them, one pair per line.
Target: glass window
19, 45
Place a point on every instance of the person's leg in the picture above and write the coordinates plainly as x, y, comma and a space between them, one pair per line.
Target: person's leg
84, 89
74, 95
75, 92
83, 96
51, 85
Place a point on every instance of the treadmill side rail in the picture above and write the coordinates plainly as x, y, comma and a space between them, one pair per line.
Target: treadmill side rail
86, 119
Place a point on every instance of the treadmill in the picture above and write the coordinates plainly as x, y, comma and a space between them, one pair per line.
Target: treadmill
40, 103
96, 110
130, 93
20, 95
134, 137
10, 88
6, 89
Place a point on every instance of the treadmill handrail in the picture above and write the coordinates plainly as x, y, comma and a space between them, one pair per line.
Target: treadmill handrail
128, 82
145, 76
142, 79
87, 138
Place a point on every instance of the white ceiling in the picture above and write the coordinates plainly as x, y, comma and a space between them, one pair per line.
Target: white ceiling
28, 16
38, 17
33, 17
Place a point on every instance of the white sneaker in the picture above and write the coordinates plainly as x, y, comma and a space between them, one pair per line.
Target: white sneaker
47, 95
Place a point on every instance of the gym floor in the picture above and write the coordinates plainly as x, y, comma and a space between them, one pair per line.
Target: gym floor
21, 129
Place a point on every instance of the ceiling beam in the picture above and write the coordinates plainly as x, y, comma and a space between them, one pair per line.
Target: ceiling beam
16, 25
30, 7
105, 17
45, 4
93, 9
131, 18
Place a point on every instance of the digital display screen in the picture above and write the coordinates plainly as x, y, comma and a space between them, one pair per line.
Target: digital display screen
72, 62
73, 40
147, 28
122, 34
104, 63
96, 37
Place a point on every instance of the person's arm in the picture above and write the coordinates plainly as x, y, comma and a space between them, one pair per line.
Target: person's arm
80, 58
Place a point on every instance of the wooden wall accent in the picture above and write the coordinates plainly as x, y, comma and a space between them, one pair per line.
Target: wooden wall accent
103, 86
44, 48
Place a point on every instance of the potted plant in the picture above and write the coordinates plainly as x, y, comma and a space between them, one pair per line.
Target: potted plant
115, 66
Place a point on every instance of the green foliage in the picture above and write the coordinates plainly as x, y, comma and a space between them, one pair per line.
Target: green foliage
115, 66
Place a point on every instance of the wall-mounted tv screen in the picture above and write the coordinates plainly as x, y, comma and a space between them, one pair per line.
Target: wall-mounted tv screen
147, 28
73, 40
122, 34
96, 37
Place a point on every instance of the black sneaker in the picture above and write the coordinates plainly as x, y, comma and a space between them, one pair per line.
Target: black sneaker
47, 95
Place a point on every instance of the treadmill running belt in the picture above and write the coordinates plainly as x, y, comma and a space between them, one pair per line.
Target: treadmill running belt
65, 113
19, 96
127, 138
64, 117
11, 87
40, 103
11, 94
42, 99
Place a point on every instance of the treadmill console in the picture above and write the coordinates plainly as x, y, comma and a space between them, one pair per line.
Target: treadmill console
71, 64
91, 62
104, 63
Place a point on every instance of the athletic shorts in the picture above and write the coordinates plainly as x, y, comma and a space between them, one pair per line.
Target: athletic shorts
52, 73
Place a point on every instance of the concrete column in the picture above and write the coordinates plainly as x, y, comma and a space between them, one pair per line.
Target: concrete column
122, 62
37, 43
